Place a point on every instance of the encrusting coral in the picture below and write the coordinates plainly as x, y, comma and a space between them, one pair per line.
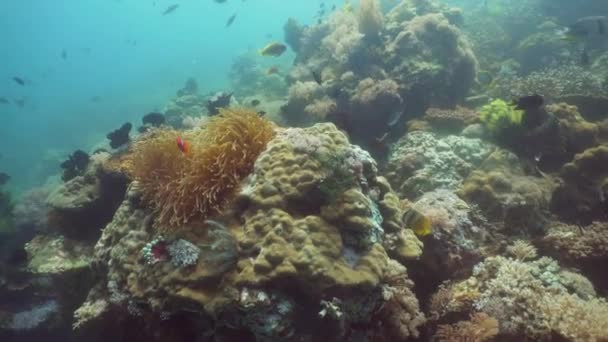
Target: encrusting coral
581, 196
422, 161
182, 187
505, 193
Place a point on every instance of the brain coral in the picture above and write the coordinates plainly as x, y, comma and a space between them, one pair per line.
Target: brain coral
301, 237
296, 229
182, 187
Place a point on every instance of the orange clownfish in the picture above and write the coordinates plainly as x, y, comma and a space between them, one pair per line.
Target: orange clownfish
182, 145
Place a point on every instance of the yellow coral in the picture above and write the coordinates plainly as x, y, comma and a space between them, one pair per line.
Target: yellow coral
182, 187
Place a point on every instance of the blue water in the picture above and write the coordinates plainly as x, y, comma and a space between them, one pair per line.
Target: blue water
124, 52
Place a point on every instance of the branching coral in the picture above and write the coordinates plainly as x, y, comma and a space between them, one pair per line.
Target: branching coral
536, 300
182, 187
479, 328
553, 83
573, 243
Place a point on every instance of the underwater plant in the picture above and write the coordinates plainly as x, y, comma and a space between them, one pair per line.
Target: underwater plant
501, 118
195, 183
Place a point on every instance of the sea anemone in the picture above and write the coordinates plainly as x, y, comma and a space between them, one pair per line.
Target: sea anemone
183, 187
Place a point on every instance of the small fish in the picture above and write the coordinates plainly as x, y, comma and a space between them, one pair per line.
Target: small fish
255, 102
64, 54
170, 9
272, 70
19, 80
316, 77
4, 100
274, 49
230, 20
419, 223
183, 145
220, 1
95, 98
261, 113
529, 102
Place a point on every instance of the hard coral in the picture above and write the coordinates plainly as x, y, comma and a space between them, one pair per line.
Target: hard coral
581, 196
182, 187
451, 120
534, 300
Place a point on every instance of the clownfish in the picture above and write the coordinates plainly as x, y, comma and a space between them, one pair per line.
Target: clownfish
182, 145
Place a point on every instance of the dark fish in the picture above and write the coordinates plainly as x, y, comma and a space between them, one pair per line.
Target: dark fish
64, 54
95, 98
316, 77
255, 102
20, 103
3, 100
230, 20
86, 50
19, 80
170, 9
529, 102
588, 27
333, 7
261, 113
4, 178
220, 1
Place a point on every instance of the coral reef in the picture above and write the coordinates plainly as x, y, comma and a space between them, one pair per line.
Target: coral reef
450, 120
86, 203
552, 82
580, 198
480, 327
503, 191
534, 299
574, 244
458, 236
352, 64
182, 187
421, 162
286, 249
250, 77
